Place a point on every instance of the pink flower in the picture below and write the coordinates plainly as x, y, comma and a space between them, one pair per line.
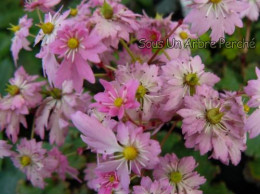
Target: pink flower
47, 35
221, 16
50, 65
180, 173
116, 99
182, 77
81, 13
129, 150
5, 149
31, 159
149, 187
63, 166
20, 39
23, 94
55, 111
253, 91
50, 27
113, 21
159, 23
76, 45
178, 43
107, 182
212, 123
252, 12
43, 5
90, 175
148, 34
95, 3
149, 87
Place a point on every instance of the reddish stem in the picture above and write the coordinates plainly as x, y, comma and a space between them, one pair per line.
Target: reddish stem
164, 42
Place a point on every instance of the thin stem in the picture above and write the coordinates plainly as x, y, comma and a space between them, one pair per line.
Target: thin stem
245, 51
168, 134
100, 75
31, 35
39, 15
133, 177
131, 120
248, 33
71, 154
110, 67
128, 50
167, 55
164, 42
33, 129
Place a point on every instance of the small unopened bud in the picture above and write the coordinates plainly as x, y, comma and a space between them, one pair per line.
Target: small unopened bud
107, 10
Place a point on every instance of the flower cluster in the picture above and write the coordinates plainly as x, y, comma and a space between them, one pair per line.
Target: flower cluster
142, 91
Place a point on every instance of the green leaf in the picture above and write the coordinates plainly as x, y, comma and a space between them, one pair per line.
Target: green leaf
166, 6
252, 171
5, 45
9, 177
24, 187
250, 71
173, 139
216, 188
72, 143
229, 80
56, 186
53, 186
31, 64
253, 147
6, 72
10, 12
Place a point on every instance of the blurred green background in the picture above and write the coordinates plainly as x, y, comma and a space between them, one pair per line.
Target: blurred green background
232, 65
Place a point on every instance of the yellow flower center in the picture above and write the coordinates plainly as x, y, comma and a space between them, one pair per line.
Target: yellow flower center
175, 177
73, 43
215, 1
25, 160
214, 116
14, 28
246, 108
111, 178
12, 90
192, 80
153, 37
56, 93
184, 35
47, 28
73, 12
130, 153
118, 102
141, 91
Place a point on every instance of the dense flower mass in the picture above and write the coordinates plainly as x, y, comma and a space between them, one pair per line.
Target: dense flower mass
129, 150
110, 132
